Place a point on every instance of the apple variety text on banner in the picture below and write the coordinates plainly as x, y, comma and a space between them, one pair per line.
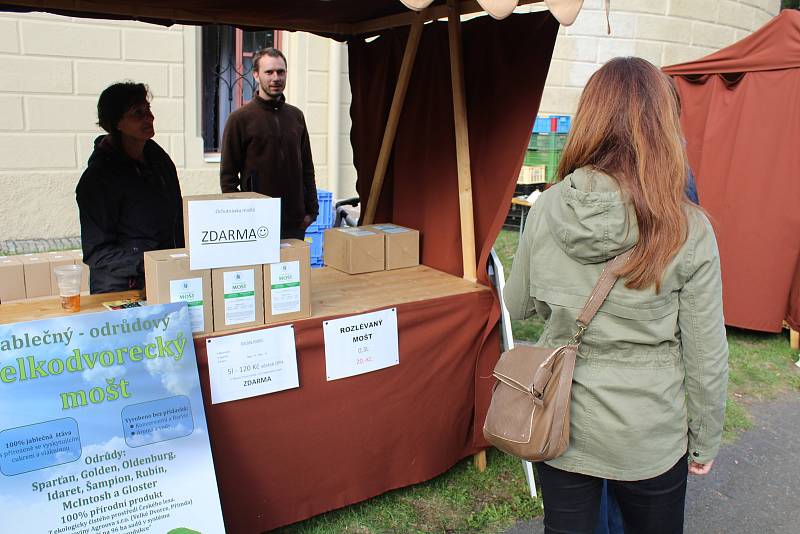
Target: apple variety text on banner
252, 363
360, 343
228, 233
102, 428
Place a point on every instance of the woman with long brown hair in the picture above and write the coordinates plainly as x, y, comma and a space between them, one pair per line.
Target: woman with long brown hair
649, 387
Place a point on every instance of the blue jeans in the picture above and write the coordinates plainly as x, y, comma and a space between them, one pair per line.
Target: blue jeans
609, 521
651, 506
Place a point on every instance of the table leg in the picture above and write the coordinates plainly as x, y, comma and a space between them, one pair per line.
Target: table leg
794, 339
479, 460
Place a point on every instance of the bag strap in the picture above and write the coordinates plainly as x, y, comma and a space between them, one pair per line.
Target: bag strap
599, 293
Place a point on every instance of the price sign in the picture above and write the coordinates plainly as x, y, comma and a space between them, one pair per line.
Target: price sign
361, 343
252, 363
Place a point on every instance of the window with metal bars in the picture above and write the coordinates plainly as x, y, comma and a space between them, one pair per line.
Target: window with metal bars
227, 75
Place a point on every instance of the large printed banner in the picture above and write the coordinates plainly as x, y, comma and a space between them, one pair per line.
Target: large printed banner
102, 427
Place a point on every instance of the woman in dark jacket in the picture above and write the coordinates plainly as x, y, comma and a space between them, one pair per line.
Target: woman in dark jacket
129, 196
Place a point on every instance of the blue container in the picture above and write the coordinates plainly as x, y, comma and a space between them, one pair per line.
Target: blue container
325, 217
316, 240
552, 124
541, 125
563, 122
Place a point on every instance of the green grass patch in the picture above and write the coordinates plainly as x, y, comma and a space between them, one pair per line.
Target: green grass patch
462, 500
506, 247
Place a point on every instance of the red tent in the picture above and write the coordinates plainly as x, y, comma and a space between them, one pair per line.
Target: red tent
741, 118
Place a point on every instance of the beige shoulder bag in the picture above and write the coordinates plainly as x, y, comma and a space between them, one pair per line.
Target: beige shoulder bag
529, 413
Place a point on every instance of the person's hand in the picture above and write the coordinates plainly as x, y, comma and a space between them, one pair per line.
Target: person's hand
307, 220
700, 469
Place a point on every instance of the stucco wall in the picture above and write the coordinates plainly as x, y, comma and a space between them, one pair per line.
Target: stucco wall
662, 31
52, 69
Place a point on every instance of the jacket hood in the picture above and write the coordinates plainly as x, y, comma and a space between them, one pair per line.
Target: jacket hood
106, 152
590, 218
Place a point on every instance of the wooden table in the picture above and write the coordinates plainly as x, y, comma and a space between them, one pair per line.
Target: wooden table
50, 307
333, 293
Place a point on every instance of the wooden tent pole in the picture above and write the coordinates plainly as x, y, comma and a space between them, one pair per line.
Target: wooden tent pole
462, 160
409, 55
462, 142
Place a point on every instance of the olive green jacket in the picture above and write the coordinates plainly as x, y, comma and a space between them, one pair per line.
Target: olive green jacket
651, 375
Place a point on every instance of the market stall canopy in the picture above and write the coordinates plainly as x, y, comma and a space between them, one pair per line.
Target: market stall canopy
741, 119
333, 18
414, 90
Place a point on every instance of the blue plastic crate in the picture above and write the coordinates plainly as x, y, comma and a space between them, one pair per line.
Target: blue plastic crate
541, 125
563, 122
552, 124
325, 217
316, 240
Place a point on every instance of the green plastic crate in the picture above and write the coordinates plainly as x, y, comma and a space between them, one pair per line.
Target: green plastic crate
548, 158
547, 141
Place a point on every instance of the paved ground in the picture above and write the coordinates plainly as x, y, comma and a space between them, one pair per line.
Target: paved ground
753, 487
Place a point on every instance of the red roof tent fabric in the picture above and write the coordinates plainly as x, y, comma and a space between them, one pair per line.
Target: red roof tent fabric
741, 118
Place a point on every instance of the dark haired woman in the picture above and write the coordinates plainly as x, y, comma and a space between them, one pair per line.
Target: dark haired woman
129, 196
648, 394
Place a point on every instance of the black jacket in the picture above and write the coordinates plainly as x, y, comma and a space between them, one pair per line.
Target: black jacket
127, 208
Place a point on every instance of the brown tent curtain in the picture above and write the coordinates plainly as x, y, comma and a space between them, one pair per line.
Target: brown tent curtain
741, 118
504, 79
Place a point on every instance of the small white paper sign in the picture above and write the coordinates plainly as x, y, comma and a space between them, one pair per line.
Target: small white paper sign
229, 233
252, 363
360, 343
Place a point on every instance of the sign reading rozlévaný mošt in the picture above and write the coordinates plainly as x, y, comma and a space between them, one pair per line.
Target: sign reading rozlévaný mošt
361, 343
102, 428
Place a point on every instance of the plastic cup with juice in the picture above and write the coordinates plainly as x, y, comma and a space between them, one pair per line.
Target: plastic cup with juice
69, 286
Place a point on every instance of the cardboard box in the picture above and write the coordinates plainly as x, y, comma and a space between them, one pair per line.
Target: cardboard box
37, 275
232, 229
169, 279
57, 259
532, 174
287, 284
77, 254
12, 279
401, 245
354, 250
238, 297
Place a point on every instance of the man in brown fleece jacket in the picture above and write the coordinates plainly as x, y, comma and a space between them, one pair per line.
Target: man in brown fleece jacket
265, 148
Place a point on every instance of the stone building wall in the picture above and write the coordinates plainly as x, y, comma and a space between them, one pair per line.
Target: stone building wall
664, 32
53, 68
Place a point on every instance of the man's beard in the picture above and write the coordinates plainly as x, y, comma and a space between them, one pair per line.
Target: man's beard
265, 91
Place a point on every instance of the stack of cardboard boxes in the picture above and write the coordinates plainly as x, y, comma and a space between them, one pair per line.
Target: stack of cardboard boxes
235, 272
365, 249
31, 275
